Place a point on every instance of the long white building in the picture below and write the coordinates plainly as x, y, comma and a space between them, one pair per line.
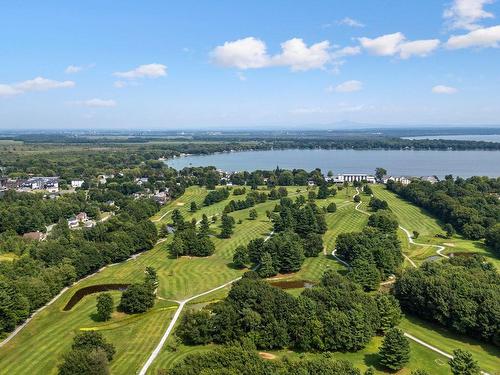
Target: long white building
351, 177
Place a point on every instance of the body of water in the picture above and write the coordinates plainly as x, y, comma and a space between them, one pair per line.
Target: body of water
463, 137
408, 163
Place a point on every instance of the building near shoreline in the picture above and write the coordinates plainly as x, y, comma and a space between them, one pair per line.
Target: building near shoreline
352, 177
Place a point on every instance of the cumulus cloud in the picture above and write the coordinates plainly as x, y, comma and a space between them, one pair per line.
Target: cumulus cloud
144, 71
298, 56
347, 21
35, 84
397, 44
486, 37
251, 53
349, 86
442, 89
464, 14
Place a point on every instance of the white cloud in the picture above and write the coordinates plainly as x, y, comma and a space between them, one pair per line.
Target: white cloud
241, 76
251, 53
442, 89
385, 45
464, 14
242, 54
35, 84
120, 84
349, 86
99, 103
350, 22
346, 51
298, 56
144, 71
397, 44
487, 37
73, 69
419, 48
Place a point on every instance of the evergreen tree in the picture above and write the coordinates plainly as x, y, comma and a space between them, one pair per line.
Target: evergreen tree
227, 225
204, 227
462, 363
177, 247
178, 219
240, 257
389, 311
395, 350
266, 268
323, 191
369, 371
104, 306
313, 245
193, 207
255, 247
419, 372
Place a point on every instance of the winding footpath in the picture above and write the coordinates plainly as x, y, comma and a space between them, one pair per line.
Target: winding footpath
410, 240
170, 327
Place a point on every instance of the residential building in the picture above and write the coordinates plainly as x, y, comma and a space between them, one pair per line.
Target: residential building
77, 183
351, 177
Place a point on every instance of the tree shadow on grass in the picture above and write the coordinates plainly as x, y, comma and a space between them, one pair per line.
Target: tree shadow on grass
373, 359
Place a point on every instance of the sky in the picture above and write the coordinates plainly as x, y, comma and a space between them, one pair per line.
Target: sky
248, 64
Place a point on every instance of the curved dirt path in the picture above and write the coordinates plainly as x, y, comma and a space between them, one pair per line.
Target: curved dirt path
170, 327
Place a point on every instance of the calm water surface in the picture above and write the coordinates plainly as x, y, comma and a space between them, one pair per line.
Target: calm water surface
412, 163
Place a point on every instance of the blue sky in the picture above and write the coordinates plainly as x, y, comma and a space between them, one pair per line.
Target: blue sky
263, 64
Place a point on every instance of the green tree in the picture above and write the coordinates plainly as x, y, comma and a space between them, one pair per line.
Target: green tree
194, 207
395, 350
416, 234
204, 227
138, 298
357, 198
493, 238
450, 231
365, 273
104, 306
463, 363
227, 225
332, 207
82, 362
178, 219
379, 173
369, 371
266, 268
93, 340
420, 372
388, 310
253, 214
240, 257
177, 247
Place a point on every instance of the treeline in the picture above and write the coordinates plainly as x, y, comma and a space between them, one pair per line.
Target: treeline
333, 316
236, 360
374, 253
216, 196
251, 200
46, 267
470, 205
460, 293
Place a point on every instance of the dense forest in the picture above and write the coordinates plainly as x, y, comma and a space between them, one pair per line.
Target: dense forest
471, 206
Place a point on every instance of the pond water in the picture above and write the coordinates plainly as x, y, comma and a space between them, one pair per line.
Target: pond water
80, 293
397, 162
291, 284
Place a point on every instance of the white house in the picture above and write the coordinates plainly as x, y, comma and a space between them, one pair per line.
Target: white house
77, 183
351, 177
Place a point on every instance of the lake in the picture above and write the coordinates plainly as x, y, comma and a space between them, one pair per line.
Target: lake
410, 163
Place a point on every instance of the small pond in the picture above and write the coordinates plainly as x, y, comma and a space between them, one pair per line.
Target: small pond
80, 293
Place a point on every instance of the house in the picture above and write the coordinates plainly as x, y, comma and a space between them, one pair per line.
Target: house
141, 181
431, 179
75, 221
161, 198
103, 178
404, 180
50, 184
35, 236
351, 177
77, 183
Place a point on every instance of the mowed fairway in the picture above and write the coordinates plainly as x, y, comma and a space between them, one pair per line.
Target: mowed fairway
38, 347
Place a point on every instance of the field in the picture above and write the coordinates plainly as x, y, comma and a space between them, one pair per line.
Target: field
51, 331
